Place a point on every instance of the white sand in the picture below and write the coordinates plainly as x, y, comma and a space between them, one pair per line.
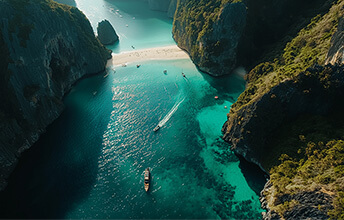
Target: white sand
158, 53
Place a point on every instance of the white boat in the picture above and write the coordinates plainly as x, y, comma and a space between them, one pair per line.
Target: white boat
147, 179
156, 128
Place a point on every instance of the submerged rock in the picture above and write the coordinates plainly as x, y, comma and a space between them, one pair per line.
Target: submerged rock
106, 33
43, 55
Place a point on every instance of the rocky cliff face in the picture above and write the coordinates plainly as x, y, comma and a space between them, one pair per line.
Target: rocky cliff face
256, 133
253, 127
288, 116
106, 33
210, 33
223, 34
336, 53
47, 48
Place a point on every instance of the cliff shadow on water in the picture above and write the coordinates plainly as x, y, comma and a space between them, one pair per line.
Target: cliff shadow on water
229, 86
254, 175
272, 24
58, 171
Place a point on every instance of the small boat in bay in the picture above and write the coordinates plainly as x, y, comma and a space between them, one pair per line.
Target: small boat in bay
147, 179
156, 128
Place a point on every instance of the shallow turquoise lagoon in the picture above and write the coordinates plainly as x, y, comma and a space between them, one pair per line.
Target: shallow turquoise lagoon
135, 24
90, 162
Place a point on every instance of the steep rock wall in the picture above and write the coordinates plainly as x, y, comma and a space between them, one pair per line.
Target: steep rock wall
336, 53
223, 34
48, 47
252, 128
288, 114
210, 33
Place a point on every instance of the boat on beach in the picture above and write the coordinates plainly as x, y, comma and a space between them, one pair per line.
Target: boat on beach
147, 179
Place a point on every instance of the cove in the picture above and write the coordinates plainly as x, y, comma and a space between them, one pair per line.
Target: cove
90, 162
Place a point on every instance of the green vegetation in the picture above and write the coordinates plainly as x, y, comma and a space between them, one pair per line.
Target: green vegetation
22, 24
306, 154
319, 168
193, 23
309, 47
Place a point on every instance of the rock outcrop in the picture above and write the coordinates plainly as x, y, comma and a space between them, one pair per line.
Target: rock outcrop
106, 33
306, 206
336, 53
46, 47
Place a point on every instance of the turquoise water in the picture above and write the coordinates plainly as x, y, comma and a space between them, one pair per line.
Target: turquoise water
90, 162
132, 20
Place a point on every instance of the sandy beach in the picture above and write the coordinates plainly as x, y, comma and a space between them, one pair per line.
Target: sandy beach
158, 53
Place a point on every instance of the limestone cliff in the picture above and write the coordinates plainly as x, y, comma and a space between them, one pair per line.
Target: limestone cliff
336, 52
288, 121
210, 33
47, 48
223, 34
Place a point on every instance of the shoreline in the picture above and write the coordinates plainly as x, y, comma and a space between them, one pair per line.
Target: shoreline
157, 53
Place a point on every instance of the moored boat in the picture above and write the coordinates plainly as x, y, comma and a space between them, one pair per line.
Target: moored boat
147, 179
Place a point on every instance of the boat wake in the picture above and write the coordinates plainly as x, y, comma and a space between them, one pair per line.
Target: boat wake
170, 113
